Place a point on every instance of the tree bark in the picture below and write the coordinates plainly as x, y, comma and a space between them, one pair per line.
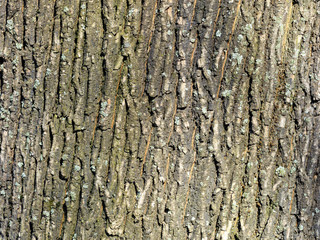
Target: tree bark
160, 119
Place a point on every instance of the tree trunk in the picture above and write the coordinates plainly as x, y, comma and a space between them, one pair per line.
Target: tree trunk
160, 119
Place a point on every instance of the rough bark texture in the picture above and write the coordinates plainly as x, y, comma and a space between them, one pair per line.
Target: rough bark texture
160, 119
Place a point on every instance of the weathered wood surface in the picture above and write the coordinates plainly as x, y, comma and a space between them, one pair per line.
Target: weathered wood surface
159, 119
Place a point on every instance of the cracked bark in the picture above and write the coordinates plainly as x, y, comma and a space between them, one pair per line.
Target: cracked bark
159, 119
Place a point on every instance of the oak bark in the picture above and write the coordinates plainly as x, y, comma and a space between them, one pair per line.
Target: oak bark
159, 119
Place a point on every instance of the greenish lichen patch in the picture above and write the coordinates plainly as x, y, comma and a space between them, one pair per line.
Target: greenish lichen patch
281, 171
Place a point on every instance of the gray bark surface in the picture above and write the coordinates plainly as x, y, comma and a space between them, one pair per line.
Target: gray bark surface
159, 119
